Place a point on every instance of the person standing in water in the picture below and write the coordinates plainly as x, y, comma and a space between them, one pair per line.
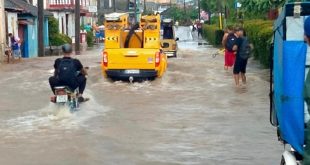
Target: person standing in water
229, 56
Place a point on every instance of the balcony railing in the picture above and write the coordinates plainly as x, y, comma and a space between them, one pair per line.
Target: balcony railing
67, 3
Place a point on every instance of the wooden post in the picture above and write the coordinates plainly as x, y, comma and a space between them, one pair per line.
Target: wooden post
77, 27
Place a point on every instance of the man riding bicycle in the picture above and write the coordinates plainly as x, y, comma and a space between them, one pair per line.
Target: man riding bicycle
69, 72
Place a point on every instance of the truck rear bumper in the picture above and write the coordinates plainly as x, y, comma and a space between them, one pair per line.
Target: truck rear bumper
122, 74
171, 53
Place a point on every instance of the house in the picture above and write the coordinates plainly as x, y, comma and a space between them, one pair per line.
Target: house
22, 21
63, 10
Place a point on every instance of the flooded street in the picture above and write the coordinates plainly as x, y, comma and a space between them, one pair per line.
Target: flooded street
194, 115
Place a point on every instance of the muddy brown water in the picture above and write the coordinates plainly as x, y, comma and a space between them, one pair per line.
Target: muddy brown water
193, 115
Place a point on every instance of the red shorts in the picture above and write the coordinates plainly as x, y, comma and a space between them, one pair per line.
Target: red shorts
229, 58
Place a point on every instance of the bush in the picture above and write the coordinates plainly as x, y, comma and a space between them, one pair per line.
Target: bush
56, 39
213, 34
90, 39
60, 39
260, 33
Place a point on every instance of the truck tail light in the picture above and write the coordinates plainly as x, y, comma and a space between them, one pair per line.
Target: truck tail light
174, 47
105, 59
157, 59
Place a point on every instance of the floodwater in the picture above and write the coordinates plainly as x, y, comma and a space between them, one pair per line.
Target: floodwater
194, 115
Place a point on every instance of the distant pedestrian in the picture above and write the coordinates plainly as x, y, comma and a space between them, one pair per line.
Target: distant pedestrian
199, 28
229, 56
193, 27
15, 46
243, 50
176, 24
88, 27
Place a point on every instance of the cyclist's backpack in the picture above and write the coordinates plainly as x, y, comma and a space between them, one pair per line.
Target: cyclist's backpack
230, 42
66, 71
245, 49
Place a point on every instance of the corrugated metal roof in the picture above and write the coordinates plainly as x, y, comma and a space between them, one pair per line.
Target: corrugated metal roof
24, 7
8, 4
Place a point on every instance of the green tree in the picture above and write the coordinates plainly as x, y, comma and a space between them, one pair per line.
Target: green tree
258, 9
55, 38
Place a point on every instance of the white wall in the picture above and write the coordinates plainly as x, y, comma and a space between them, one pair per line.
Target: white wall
71, 26
35, 3
12, 23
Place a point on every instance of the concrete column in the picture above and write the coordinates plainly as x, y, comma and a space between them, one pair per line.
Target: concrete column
2, 31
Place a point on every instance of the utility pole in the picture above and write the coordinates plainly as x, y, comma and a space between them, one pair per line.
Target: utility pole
135, 9
170, 3
98, 10
199, 10
77, 27
184, 7
2, 31
114, 6
144, 7
128, 4
40, 29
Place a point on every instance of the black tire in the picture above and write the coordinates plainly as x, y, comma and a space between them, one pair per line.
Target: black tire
282, 161
273, 113
175, 55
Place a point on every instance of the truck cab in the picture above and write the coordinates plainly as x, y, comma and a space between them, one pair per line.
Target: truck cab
132, 51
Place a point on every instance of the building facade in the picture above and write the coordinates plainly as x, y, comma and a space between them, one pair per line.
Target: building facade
63, 11
21, 19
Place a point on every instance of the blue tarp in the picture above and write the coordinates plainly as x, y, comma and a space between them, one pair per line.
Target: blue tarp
289, 76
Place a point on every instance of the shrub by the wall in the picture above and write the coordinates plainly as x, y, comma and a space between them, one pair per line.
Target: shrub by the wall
213, 34
90, 39
260, 33
55, 38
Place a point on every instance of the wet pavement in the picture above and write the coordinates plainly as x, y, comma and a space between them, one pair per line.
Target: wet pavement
193, 115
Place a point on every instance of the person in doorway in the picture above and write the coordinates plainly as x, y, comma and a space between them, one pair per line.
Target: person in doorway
69, 72
229, 56
15, 46
240, 62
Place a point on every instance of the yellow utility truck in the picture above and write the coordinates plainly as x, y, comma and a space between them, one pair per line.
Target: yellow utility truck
132, 51
169, 41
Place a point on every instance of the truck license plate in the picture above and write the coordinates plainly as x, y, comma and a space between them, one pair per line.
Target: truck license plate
61, 98
132, 71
